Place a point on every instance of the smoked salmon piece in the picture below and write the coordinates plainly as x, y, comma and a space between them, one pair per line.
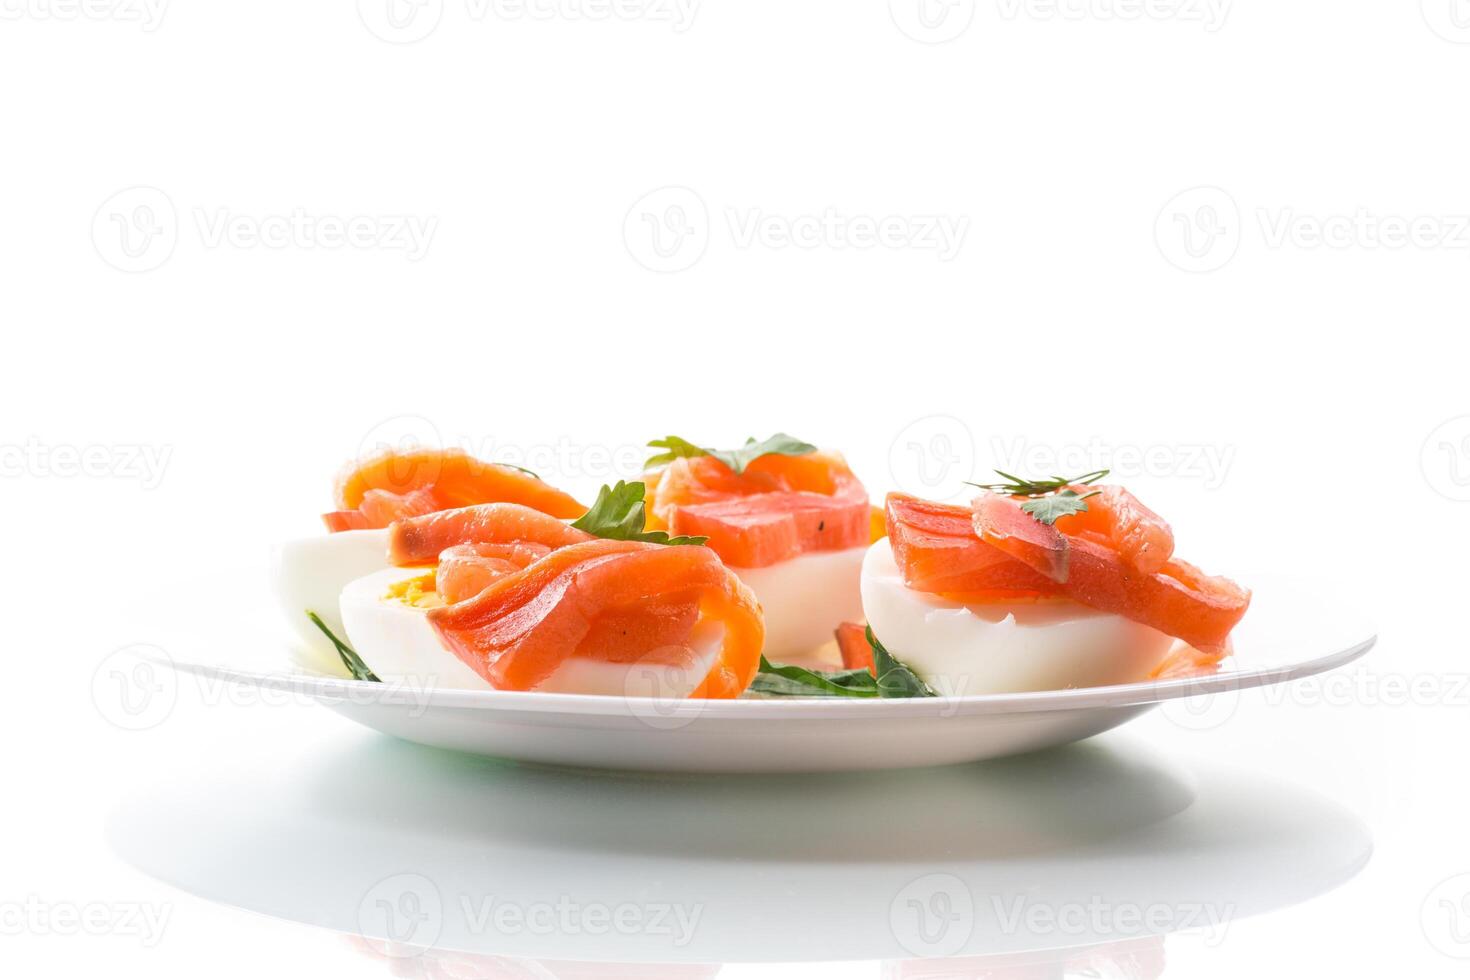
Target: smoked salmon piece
779, 507
1139, 535
1000, 521
526, 592
465, 570
937, 550
419, 540
396, 485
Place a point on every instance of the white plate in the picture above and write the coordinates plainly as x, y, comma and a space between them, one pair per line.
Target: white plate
1289, 633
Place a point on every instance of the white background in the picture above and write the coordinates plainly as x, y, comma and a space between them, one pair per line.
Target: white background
1222, 247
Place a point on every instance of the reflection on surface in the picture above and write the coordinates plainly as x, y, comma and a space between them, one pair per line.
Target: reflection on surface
1137, 959
1066, 849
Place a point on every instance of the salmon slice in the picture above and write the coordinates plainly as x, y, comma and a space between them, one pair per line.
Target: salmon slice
1000, 522
937, 550
852, 643
641, 600
779, 507
465, 570
418, 540
526, 591
395, 485
1140, 536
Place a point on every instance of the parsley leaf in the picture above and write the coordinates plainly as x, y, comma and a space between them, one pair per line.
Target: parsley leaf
1017, 487
737, 459
617, 514
359, 670
789, 680
674, 448
1048, 509
895, 679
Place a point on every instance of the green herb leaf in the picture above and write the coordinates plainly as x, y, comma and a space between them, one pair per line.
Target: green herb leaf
674, 448
617, 514
1048, 509
530, 473
895, 679
737, 459
789, 680
1015, 486
350, 659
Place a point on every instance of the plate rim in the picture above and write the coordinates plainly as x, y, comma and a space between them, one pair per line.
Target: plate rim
339, 690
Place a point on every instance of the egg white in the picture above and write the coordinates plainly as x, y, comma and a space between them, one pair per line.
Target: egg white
310, 573
397, 642
960, 648
804, 598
